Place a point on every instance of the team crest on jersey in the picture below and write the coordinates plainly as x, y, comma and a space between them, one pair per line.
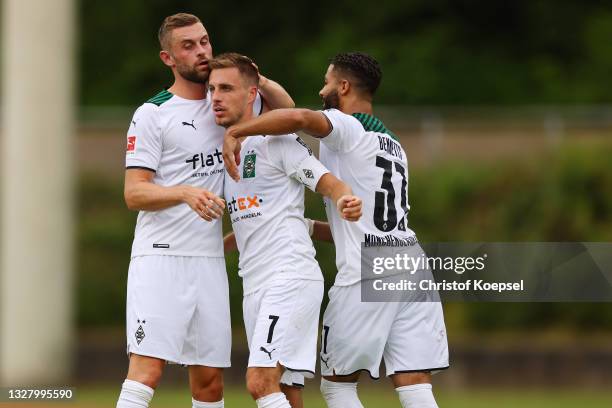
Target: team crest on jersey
140, 334
248, 168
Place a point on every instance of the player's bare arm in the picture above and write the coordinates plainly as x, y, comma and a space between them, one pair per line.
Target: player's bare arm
229, 243
276, 122
281, 122
322, 232
348, 205
141, 193
274, 95
319, 230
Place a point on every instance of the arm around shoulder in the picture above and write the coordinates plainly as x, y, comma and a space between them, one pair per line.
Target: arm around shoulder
274, 95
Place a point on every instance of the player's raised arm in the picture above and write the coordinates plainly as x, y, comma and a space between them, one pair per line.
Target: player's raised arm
276, 122
274, 95
283, 121
348, 205
141, 193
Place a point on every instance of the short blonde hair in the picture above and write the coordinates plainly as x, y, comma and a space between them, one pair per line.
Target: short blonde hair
234, 60
170, 23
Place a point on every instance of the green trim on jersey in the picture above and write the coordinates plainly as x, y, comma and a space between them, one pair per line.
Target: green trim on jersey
372, 124
160, 98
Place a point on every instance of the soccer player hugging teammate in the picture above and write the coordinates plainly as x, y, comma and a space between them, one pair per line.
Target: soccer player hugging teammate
358, 148
282, 281
177, 292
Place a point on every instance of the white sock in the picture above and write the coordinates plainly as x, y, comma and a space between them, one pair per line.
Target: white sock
416, 396
340, 394
276, 400
201, 404
134, 395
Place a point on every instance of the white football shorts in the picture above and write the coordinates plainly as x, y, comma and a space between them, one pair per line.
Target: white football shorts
178, 310
281, 322
356, 335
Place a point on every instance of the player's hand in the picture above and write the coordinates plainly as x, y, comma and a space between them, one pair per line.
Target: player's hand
206, 204
262, 79
349, 207
231, 154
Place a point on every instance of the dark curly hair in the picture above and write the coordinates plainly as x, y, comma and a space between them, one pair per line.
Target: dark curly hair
362, 68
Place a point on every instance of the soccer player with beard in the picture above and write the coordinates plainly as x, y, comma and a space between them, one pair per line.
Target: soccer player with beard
282, 281
177, 294
357, 147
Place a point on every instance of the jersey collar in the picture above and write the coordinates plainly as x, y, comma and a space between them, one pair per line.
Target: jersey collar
372, 124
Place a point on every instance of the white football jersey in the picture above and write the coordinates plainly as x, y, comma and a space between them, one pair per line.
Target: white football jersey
179, 140
266, 208
363, 153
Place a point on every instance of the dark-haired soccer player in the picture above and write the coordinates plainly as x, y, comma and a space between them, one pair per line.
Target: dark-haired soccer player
360, 150
177, 293
282, 281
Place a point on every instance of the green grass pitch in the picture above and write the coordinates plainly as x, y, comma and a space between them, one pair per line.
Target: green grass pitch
373, 397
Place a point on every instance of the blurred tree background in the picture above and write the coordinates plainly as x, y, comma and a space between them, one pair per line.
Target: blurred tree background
450, 52
433, 53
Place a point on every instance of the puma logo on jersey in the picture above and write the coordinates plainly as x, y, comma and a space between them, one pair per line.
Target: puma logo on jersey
269, 353
190, 124
325, 361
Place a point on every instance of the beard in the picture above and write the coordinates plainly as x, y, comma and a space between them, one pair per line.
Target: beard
331, 101
192, 74
230, 120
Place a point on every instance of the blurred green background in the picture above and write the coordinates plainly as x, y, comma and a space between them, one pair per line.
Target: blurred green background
433, 51
503, 110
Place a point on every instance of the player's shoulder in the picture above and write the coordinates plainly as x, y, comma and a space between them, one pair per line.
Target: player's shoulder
288, 144
278, 139
155, 104
159, 99
371, 123
283, 140
150, 109
338, 115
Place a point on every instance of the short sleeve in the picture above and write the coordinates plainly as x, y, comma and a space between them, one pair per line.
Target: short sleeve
295, 158
346, 131
144, 144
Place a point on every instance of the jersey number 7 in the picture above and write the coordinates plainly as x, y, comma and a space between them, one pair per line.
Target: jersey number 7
385, 203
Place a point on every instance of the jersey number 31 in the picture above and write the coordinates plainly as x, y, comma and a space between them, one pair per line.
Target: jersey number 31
384, 201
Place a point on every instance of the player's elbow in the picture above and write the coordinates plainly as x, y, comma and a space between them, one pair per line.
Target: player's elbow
299, 118
131, 199
331, 186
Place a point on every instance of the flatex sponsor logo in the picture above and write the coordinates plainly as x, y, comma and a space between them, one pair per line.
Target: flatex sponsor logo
206, 163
